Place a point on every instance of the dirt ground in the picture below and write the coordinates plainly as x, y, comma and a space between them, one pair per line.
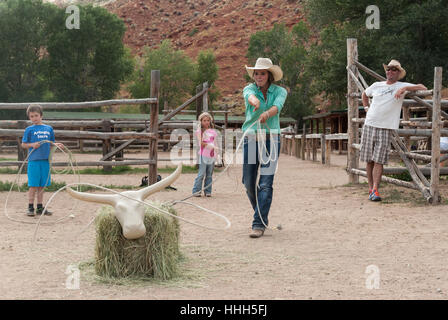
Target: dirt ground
334, 243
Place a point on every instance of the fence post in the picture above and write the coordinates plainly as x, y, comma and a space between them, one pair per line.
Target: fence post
119, 156
154, 125
81, 141
107, 144
199, 101
436, 125
327, 152
323, 146
205, 97
226, 117
303, 141
298, 147
21, 153
352, 103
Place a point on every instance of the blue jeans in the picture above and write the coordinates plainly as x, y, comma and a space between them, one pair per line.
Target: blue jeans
205, 173
262, 192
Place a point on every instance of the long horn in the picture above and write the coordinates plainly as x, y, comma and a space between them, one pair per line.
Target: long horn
146, 192
90, 197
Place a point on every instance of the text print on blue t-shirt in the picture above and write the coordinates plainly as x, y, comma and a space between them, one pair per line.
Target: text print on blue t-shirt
42, 135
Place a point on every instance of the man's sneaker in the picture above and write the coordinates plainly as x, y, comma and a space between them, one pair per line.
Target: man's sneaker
30, 212
197, 194
370, 194
47, 213
375, 196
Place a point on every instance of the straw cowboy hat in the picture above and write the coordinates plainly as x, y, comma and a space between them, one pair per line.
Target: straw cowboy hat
266, 64
396, 64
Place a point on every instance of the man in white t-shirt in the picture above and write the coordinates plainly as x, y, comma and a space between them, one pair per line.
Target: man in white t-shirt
383, 116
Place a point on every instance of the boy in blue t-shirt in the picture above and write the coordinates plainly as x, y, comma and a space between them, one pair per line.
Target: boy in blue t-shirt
39, 175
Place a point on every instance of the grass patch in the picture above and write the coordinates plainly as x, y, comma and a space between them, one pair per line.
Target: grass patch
193, 32
392, 195
405, 176
129, 108
349, 185
8, 171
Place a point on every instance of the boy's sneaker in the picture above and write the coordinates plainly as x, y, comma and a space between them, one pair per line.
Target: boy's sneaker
47, 213
30, 212
370, 194
375, 196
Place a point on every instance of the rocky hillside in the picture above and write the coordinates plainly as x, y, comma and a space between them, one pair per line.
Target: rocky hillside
193, 25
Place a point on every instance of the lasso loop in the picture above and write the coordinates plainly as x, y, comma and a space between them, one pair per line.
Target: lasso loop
273, 156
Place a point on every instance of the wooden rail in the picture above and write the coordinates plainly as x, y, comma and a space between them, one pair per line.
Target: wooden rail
307, 146
77, 105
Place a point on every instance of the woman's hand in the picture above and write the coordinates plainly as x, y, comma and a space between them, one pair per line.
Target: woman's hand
264, 117
253, 101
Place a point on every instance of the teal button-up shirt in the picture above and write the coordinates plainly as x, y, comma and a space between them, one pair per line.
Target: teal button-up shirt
276, 96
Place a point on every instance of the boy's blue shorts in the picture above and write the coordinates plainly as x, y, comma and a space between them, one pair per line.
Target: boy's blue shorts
39, 174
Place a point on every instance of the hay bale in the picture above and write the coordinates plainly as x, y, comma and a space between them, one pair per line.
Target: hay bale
155, 255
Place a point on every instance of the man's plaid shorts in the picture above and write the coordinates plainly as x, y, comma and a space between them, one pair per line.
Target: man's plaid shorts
375, 144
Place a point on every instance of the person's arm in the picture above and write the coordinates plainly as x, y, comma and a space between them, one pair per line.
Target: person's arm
365, 101
199, 137
33, 145
252, 99
403, 90
277, 106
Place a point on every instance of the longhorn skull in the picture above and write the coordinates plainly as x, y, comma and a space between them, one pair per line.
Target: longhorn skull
129, 213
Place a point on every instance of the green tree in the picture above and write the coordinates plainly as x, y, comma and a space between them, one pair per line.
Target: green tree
177, 75
289, 50
22, 60
88, 63
207, 71
407, 33
42, 60
22, 40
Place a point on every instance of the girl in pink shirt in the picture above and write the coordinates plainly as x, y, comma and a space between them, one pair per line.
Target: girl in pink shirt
206, 136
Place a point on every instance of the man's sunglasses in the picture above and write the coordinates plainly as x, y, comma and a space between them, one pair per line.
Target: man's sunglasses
392, 69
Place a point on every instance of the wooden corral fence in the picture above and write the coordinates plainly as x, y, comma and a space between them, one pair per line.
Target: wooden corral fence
148, 132
305, 146
429, 128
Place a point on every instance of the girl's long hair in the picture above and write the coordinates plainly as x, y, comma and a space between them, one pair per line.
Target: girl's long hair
206, 114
